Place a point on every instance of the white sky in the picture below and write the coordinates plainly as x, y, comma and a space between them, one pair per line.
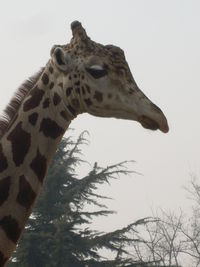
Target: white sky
161, 40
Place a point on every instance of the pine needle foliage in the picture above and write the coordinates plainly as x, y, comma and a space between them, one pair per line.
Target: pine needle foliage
58, 232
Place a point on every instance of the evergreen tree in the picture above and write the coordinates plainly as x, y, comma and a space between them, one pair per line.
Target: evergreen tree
57, 233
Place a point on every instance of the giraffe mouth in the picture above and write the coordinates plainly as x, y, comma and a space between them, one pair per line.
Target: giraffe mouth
149, 123
153, 125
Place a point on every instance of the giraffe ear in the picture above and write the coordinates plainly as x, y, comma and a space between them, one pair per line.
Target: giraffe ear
61, 60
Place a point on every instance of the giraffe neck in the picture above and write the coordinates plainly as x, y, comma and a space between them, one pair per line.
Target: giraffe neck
26, 150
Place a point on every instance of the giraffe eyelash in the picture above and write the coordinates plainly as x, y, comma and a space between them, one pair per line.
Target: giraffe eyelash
96, 67
97, 71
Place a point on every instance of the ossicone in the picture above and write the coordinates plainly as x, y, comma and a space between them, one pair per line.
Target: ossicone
78, 31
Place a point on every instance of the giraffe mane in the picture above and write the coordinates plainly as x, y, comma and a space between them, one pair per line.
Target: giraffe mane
9, 113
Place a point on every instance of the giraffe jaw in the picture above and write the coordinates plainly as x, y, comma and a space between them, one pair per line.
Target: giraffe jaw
155, 121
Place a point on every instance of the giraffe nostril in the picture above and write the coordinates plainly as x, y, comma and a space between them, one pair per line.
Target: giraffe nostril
156, 108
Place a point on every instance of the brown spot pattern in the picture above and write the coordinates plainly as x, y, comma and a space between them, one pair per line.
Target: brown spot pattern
4, 189
50, 128
88, 102
72, 110
45, 79
51, 85
11, 228
75, 103
64, 115
33, 118
39, 166
83, 90
88, 88
78, 91
68, 91
61, 85
46, 103
98, 96
56, 99
26, 195
51, 69
77, 83
34, 100
3, 160
21, 141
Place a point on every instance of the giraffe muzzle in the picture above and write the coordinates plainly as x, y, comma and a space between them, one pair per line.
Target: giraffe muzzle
152, 124
149, 115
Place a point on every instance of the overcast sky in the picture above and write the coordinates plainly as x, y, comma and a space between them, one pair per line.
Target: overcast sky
161, 40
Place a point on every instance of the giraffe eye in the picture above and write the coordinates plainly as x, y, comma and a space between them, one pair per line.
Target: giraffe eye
97, 71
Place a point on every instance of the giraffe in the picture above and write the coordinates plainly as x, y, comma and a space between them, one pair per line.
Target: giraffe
81, 77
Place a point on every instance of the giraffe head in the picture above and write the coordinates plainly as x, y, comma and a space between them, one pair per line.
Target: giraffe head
97, 80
